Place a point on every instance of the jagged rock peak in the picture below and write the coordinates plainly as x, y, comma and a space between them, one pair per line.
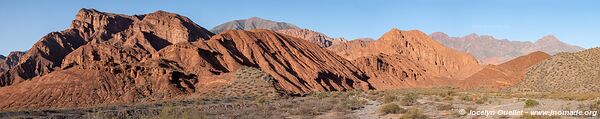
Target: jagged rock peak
548, 39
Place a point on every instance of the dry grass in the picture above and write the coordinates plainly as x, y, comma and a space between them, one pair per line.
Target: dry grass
391, 108
531, 103
414, 114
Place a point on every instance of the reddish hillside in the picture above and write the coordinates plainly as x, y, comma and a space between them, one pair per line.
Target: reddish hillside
314, 37
401, 59
110, 58
503, 75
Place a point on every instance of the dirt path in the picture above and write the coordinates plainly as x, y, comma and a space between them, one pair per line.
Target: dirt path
369, 111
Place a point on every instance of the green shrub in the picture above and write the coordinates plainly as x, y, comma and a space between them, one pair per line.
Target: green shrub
389, 98
531, 103
414, 114
391, 108
409, 99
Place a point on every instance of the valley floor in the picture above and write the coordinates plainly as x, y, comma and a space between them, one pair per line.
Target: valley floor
438, 103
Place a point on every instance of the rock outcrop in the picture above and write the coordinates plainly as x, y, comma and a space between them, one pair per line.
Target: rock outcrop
10, 61
3, 66
312, 36
344, 49
564, 72
505, 75
103, 58
142, 33
298, 65
404, 59
108, 58
253, 23
489, 50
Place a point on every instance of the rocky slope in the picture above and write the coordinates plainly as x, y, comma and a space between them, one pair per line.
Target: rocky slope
494, 77
108, 58
564, 72
141, 35
312, 36
10, 61
343, 49
102, 58
253, 23
401, 59
490, 50
3, 67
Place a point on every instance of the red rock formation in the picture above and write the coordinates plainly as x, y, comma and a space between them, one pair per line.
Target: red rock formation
343, 49
403, 59
103, 58
314, 37
10, 61
505, 75
298, 65
111, 58
437, 60
144, 33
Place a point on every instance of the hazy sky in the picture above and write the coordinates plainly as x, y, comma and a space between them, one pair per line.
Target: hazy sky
572, 21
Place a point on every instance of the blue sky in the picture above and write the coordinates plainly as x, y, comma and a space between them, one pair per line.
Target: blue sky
574, 21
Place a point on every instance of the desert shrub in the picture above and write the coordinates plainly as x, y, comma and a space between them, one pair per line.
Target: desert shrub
350, 103
341, 107
531, 103
320, 95
466, 98
373, 92
166, 112
445, 107
305, 111
356, 102
389, 98
481, 100
448, 98
414, 114
409, 99
261, 100
391, 108
595, 106
355, 92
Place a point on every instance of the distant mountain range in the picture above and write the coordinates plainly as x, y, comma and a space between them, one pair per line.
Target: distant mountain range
490, 50
253, 23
